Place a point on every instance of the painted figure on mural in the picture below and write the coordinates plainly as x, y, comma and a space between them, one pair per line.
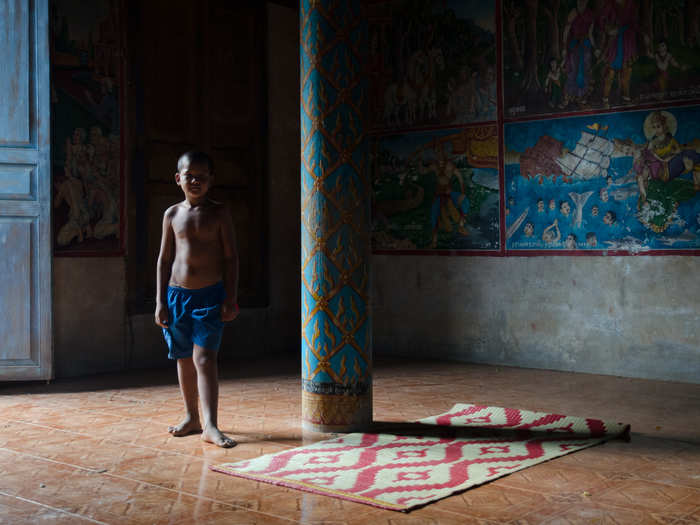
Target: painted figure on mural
552, 234
71, 191
663, 60
448, 206
89, 187
619, 23
102, 188
553, 84
461, 102
578, 53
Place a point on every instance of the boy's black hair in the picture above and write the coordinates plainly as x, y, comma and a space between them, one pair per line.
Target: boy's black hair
195, 157
589, 236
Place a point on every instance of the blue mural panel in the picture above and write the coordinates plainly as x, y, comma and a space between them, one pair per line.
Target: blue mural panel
619, 181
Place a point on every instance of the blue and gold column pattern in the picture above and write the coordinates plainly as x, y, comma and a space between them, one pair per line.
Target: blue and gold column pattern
335, 218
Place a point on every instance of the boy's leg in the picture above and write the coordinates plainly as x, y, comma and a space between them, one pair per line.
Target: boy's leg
208, 382
187, 377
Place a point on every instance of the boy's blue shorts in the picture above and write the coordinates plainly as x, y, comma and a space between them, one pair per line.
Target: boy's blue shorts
194, 319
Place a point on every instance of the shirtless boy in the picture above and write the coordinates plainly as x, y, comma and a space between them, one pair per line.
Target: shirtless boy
197, 284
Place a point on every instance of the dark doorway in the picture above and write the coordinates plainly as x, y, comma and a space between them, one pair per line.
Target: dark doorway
196, 80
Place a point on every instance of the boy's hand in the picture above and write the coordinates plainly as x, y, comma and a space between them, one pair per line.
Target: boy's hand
161, 316
229, 311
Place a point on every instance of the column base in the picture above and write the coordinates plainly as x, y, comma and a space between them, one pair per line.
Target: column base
339, 413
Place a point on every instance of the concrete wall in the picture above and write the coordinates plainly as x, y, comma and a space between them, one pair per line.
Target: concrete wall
628, 316
89, 315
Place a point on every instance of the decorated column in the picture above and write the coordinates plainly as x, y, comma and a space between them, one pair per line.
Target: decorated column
335, 218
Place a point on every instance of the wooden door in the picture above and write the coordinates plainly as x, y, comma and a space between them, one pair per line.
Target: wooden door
25, 191
202, 83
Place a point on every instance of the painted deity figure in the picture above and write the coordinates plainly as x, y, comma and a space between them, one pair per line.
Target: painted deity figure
448, 205
579, 42
619, 20
664, 158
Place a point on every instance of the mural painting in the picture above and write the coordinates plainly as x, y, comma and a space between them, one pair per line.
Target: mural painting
619, 181
581, 55
86, 163
432, 63
436, 190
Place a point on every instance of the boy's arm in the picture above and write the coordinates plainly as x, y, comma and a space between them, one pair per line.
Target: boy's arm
163, 269
229, 309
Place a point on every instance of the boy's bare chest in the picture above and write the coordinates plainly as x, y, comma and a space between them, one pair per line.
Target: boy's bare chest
197, 227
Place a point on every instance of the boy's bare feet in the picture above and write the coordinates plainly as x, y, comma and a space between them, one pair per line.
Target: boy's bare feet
215, 436
186, 427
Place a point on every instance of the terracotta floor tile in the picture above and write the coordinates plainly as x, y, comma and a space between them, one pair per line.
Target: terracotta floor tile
98, 449
642, 494
25, 512
493, 502
237, 517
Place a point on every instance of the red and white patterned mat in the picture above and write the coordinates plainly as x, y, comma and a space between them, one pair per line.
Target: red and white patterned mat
400, 472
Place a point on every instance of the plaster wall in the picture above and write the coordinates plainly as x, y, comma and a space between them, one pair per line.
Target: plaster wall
627, 316
89, 297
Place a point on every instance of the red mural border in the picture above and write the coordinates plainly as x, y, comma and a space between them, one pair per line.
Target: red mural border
500, 123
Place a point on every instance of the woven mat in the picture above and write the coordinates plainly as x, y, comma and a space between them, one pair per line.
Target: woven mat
418, 463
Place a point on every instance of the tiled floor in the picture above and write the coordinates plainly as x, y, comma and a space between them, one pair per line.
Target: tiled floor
96, 450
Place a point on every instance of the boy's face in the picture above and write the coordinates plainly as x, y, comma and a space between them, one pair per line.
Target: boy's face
194, 179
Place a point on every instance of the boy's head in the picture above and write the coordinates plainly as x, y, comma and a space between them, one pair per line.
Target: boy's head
662, 48
610, 218
195, 171
195, 157
591, 239
565, 208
